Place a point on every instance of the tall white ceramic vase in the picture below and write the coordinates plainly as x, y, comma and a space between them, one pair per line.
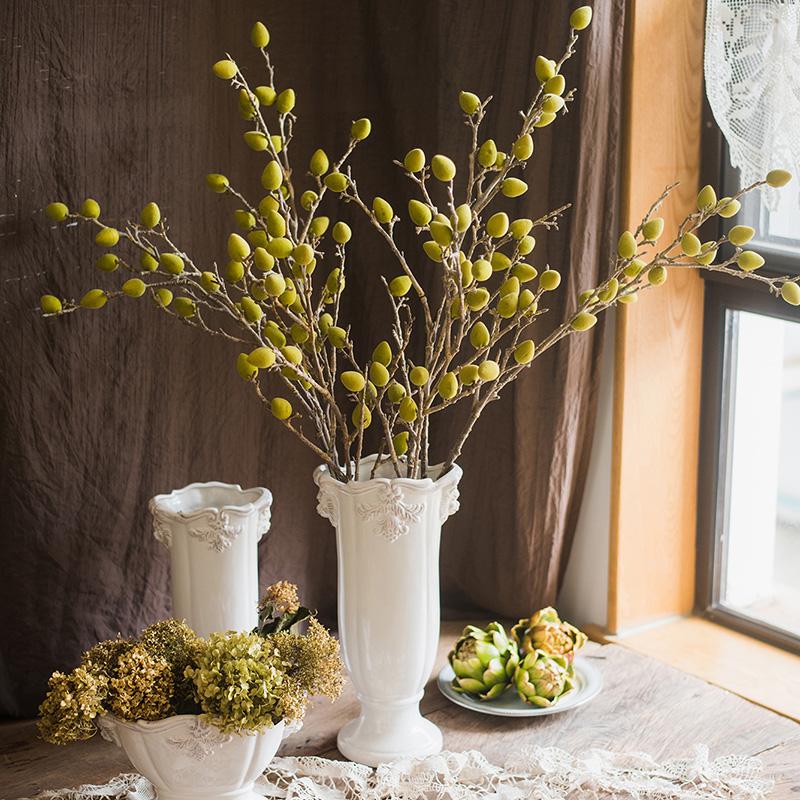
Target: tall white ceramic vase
387, 534
212, 532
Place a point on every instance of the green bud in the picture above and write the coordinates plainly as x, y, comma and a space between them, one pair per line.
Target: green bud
509, 286
336, 182
626, 245
514, 187
209, 282
275, 284
266, 95
544, 68
277, 143
274, 334
419, 376
690, 244
652, 229
244, 220
383, 355
656, 276
246, 370
481, 270
552, 103
468, 374
526, 245
555, 85
225, 69
777, 178
728, 208
134, 287
609, 292
628, 298
334, 282
633, 269
262, 260
318, 226
361, 416
414, 160
285, 102
272, 176
303, 254
400, 285
549, 280
217, 183
378, 373
580, 18
469, 102
396, 392
479, 335
298, 333
294, 355
90, 208
171, 263
341, 233
582, 321
545, 118
477, 298
706, 198
150, 216
443, 168
308, 199
419, 212
520, 228
280, 247
749, 260
94, 298
50, 304
708, 252
325, 322
466, 273
256, 141
487, 154
259, 35
463, 217
238, 247
497, 225
400, 443
337, 336
448, 386
281, 408
352, 381
442, 233
523, 147
360, 129
740, 234
252, 310
526, 300
790, 292
163, 297
408, 409
107, 262
433, 250
289, 296
262, 357
107, 237
524, 272
319, 163
488, 370
524, 352
185, 307
382, 210
508, 305
56, 212
147, 262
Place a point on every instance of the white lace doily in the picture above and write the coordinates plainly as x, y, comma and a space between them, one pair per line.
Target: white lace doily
538, 773
752, 71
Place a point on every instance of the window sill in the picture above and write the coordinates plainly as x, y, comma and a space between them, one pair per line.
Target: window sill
756, 671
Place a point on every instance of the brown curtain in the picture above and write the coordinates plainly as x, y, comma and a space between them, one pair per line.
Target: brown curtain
101, 410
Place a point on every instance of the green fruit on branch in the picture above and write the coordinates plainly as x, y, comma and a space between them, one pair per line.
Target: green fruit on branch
171, 263
482, 270
56, 212
286, 101
224, 69
185, 307
626, 246
555, 85
583, 321
741, 234
234, 271
281, 408
319, 163
135, 287
262, 357
238, 247
420, 213
580, 18
777, 178
545, 68
497, 225
656, 276
256, 141
396, 392
408, 409
749, 260
94, 298
523, 147
217, 183
360, 129
487, 154
50, 304
524, 352
353, 381
336, 182
448, 386
341, 233
488, 370
549, 280
246, 370
790, 292
400, 443
469, 102
272, 176
690, 244
107, 262
107, 237
540, 679
706, 198
443, 168
514, 187
414, 160
468, 374
150, 216
728, 208
90, 208
163, 297
259, 35
484, 661
652, 229
383, 212
266, 95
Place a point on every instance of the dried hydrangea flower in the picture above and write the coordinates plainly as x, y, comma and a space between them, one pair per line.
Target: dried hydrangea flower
144, 686
283, 596
72, 704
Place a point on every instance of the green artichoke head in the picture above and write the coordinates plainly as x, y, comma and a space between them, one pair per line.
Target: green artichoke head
484, 660
546, 631
540, 679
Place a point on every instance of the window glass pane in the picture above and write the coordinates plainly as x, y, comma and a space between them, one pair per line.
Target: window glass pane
761, 552
778, 229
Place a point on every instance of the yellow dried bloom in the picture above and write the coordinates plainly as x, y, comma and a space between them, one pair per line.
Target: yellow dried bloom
72, 705
283, 596
143, 687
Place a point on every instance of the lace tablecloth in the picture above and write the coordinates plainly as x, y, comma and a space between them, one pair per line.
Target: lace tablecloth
533, 774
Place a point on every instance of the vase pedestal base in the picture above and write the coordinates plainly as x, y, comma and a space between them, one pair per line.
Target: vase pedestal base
388, 732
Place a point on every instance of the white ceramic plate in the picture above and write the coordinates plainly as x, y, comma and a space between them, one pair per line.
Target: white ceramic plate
588, 682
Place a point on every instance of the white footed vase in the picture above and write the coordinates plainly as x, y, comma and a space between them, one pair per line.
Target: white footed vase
212, 532
387, 535
186, 759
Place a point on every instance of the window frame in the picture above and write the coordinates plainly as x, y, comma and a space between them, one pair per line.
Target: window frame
725, 294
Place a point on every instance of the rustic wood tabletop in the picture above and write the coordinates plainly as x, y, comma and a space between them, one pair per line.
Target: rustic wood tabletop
645, 706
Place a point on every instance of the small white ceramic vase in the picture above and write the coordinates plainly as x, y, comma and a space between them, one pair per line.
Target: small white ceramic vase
387, 536
212, 532
186, 759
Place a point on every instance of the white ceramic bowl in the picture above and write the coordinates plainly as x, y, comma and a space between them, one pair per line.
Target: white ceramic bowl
185, 759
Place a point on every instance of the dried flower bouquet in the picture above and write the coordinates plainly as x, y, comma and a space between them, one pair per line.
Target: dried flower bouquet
280, 305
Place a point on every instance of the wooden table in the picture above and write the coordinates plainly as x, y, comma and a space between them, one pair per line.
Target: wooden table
644, 706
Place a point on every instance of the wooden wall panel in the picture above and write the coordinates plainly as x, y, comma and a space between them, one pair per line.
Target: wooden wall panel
659, 340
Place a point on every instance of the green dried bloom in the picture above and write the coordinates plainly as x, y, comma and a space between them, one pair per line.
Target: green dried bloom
72, 705
103, 657
172, 641
143, 687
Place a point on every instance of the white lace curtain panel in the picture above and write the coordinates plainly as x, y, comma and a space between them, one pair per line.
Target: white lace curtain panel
752, 72
533, 774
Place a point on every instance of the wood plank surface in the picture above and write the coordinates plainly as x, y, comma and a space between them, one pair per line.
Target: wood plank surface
644, 706
659, 340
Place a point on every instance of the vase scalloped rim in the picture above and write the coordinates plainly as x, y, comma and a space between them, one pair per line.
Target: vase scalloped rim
452, 476
174, 721
257, 498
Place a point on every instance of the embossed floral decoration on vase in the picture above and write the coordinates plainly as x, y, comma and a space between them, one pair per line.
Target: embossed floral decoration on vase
277, 300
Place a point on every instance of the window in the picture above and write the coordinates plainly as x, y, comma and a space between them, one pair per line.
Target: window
749, 487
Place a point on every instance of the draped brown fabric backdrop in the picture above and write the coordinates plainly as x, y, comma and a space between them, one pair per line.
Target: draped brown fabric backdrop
101, 410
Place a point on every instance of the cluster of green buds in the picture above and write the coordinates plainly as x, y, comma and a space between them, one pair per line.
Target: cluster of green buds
276, 293
537, 659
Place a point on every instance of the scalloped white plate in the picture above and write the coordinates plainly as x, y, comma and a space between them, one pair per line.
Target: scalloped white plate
588, 681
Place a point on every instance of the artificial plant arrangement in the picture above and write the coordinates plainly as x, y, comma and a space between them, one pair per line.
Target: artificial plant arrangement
277, 297
239, 682
537, 659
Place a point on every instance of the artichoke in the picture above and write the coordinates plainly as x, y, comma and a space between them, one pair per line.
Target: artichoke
547, 632
484, 661
540, 679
